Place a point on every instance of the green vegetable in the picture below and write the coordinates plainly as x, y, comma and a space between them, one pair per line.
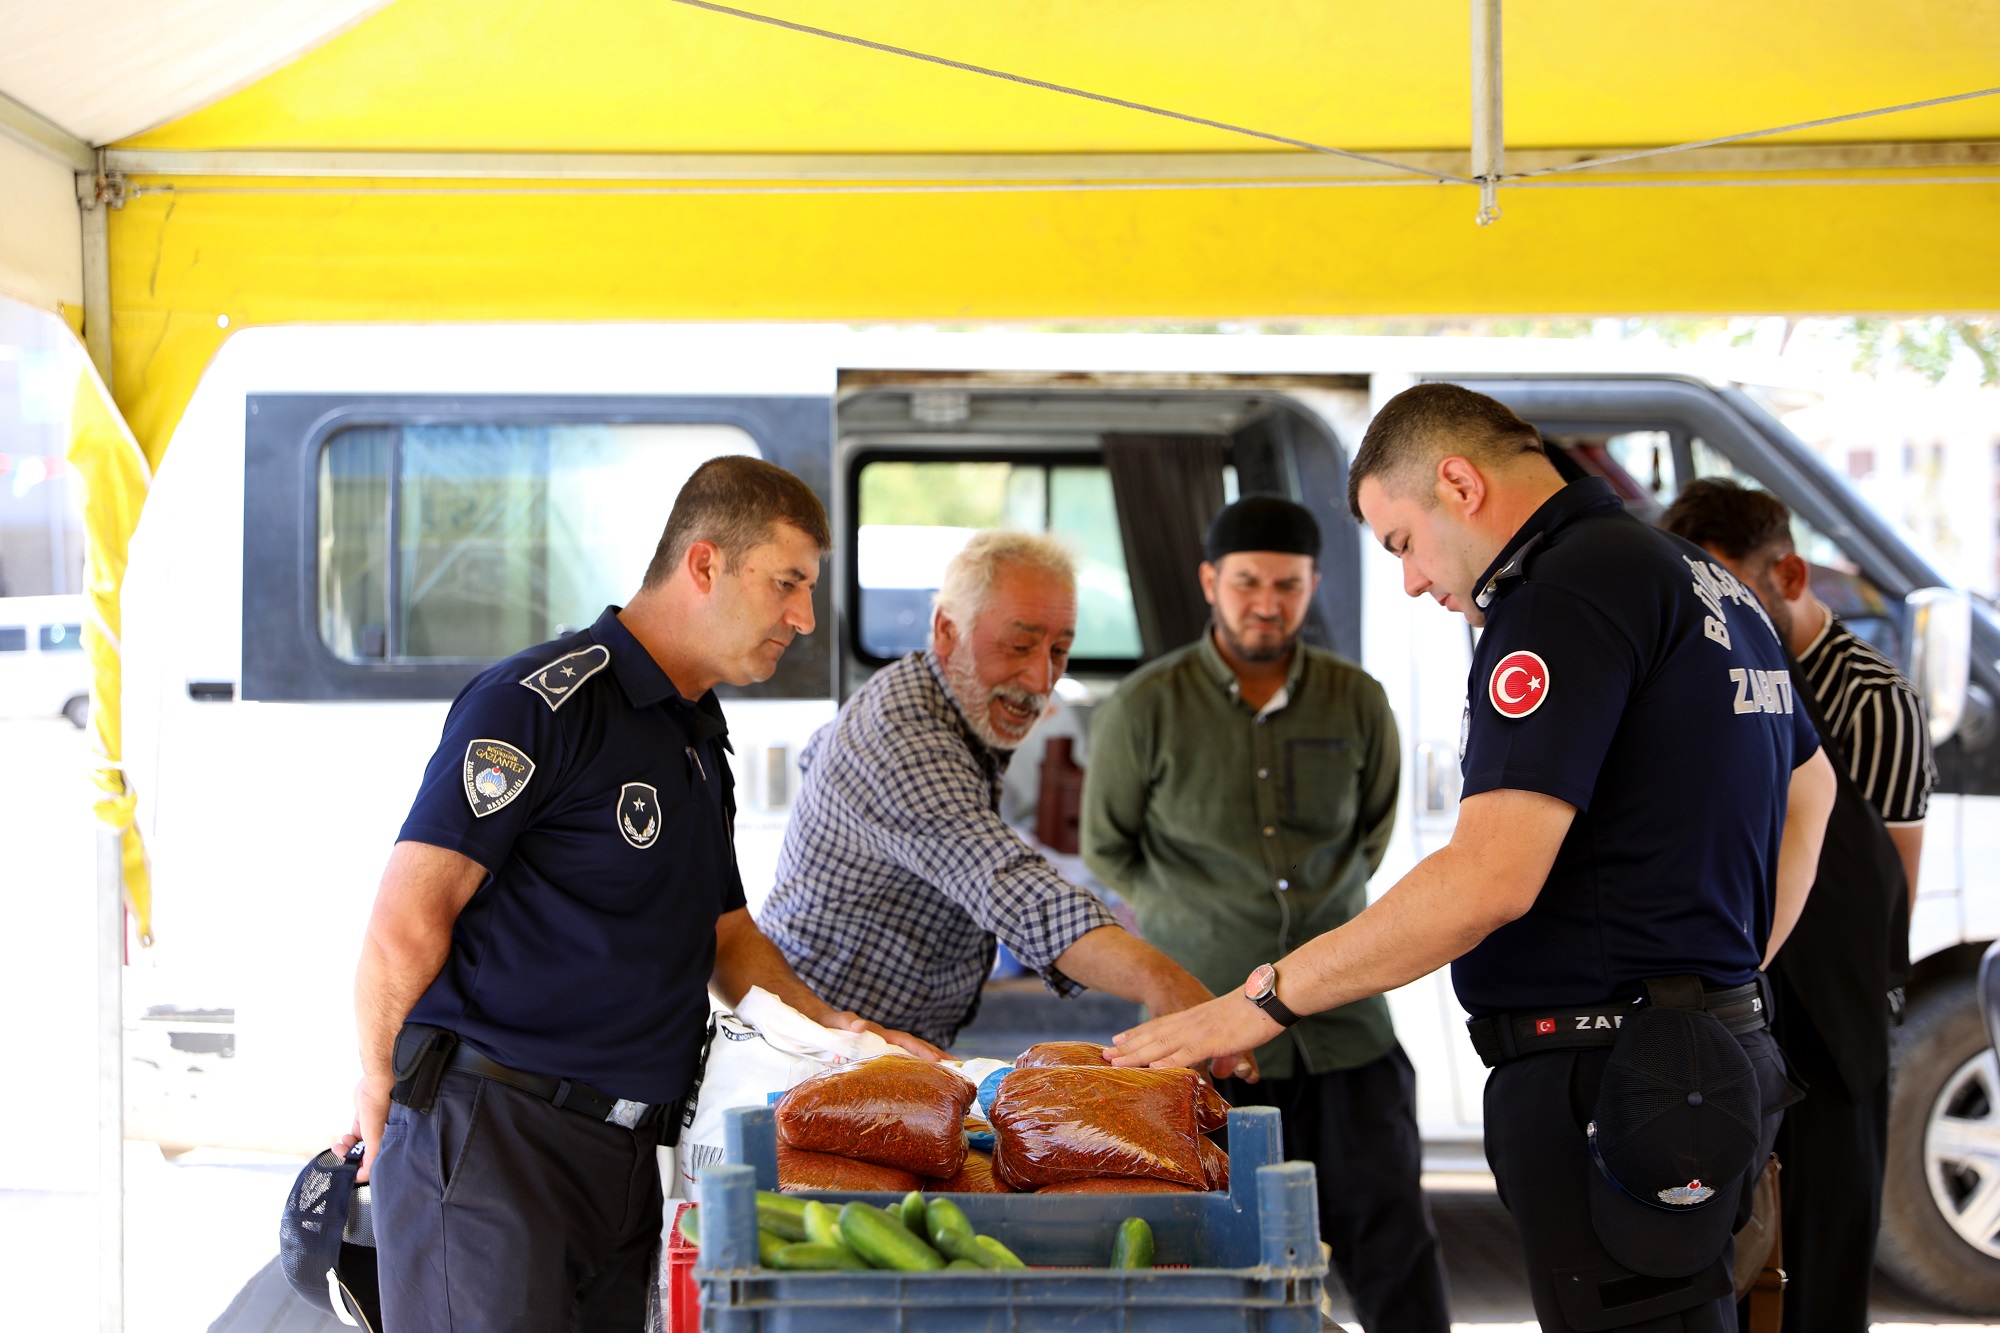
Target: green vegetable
966, 1263
791, 1203
913, 1212
782, 1222
1134, 1246
768, 1246
952, 1234
808, 1257
999, 1252
690, 1226
884, 1241
822, 1224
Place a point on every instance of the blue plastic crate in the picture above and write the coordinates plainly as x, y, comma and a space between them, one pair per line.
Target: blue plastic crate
1247, 1259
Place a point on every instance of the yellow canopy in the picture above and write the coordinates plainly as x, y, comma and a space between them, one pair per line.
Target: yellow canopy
649, 159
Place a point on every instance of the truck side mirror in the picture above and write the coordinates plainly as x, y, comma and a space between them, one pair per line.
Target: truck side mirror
1941, 655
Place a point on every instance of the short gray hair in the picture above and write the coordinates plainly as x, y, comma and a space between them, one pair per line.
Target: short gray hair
972, 573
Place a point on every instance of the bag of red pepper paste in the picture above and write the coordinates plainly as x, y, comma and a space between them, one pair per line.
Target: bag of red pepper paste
1074, 1123
1215, 1163
895, 1111
1116, 1185
802, 1171
975, 1177
1053, 1053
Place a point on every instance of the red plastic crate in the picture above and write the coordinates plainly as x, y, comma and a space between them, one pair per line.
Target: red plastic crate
683, 1297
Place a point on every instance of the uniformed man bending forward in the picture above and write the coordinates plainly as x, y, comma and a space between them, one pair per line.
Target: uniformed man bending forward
1642, 815
532, 993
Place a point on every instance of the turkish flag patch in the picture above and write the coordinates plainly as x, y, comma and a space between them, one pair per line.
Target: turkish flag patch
1544, 1026
1519, 684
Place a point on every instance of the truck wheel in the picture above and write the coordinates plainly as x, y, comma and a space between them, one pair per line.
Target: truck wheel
77, 710
1941, 1200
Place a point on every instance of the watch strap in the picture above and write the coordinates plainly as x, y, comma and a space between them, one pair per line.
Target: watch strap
1276, 1008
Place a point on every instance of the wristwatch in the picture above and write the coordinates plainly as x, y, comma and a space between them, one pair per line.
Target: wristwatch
1262, 991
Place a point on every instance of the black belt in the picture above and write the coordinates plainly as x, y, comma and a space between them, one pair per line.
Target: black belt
565, 1093
1502, 1037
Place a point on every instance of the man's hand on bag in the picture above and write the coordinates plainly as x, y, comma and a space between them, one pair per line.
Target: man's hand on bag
842, 1020
1189, 995
371, 1116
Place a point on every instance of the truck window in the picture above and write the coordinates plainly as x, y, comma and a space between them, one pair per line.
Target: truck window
1837, 580
61, 638
469, 542
13, 639
914, 515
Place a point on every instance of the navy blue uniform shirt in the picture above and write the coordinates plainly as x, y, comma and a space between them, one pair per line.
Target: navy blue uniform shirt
599, 801
1623, 671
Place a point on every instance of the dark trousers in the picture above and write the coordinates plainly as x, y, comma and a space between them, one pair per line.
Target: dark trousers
1832, 1151
496, 1212
1358, 1127
1536, 1111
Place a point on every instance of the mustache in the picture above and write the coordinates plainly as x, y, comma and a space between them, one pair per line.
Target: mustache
1022, 699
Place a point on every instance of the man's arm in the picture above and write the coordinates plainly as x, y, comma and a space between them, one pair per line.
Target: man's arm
745, 957
1811, 800
1909, 840
1381, 775
1488, 875
422, 892
1117, 962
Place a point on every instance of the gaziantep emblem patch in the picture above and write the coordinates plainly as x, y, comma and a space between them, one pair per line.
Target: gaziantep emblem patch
1519, 683
495, 773
1688, 1195
639, 814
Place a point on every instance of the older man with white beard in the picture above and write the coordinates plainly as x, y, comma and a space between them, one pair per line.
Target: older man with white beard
897, 872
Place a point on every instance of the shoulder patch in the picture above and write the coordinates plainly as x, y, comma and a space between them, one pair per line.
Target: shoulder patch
557, 681
495, 773
1519, 683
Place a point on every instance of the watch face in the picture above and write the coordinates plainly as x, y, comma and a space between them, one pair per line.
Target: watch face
1261, 982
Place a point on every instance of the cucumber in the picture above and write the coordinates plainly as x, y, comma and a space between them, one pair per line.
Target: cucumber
966, 1263
885, 1242
791, 1203
951, 1232
690, 1226
1005, 1257
782, 1222
913, 1212
1134, 1246
768, 1246
822, 1224
804, 1256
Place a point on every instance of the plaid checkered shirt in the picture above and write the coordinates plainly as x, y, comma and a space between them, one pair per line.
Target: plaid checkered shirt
897, 871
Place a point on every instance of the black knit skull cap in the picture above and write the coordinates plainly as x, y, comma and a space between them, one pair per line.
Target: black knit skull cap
1263, 523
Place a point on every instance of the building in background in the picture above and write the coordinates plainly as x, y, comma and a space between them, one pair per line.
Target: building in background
41, 497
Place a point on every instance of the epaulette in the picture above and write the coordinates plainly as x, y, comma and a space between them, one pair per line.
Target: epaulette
558, 681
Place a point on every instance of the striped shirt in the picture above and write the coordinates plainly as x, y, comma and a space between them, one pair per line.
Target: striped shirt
1877, 721
897, 872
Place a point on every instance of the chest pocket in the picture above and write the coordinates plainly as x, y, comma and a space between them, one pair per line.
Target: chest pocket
1322, 780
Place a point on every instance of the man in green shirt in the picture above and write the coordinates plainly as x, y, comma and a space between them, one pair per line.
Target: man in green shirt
1239, 794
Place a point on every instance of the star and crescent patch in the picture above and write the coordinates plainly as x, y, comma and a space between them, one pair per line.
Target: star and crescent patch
495, 773
557, 681
1518, 685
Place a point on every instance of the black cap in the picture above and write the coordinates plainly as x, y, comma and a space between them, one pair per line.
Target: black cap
1263, 523
1673, 1137
326, 1240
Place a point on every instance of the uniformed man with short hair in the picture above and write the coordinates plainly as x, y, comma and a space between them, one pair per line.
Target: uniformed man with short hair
1643, 810
533, 988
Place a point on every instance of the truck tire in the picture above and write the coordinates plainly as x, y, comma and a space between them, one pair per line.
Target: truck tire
1941, 1199
77, 710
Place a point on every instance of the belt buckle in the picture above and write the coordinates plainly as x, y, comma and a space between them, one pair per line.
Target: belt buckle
625, 1114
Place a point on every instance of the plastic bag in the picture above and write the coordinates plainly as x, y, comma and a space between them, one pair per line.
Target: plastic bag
801, 1171
897, 1111
1050, 1054
1209, 1107
1117, 1185
766, 1046
975, 1177
1214, 1164
1073, 1123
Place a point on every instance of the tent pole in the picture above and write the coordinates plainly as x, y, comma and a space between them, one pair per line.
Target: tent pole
96, 194
110, 1082
1488, 144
